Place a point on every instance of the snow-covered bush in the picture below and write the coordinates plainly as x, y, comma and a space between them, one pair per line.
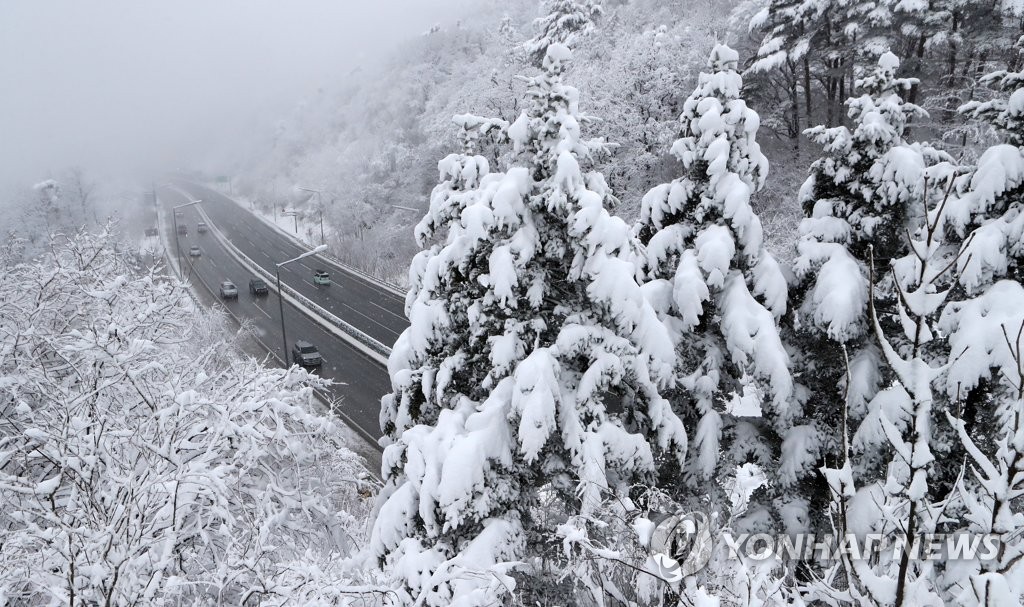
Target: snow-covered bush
143, 461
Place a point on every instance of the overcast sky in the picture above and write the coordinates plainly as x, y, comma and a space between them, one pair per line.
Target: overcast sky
128, 85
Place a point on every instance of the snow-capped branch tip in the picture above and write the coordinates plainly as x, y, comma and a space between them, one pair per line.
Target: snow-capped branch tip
723, 59
556, 58
889, 62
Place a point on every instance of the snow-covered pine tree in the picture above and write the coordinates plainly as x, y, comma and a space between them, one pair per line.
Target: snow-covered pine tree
532, 368
986, 370
858, 201
988, 333
716, 287
564, 22
993, 193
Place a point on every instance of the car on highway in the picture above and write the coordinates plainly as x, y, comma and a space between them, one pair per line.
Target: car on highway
228, 290
195, 251
258, 287
201, 227
152, 232
305, 354
321, 277
182, 229
179, 213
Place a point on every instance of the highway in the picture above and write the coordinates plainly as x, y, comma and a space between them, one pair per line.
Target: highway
359, 301
365, 379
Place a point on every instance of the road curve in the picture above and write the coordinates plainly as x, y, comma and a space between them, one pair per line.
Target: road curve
362, 381
364, 304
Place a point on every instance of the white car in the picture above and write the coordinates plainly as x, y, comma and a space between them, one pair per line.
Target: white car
228, 290
195, 252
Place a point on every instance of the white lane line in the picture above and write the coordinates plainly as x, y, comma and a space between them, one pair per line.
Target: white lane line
261, 309
305, 266
398, 316
213, 262
359, 312
371, 319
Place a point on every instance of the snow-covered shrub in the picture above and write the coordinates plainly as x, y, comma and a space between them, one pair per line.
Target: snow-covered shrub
142, 461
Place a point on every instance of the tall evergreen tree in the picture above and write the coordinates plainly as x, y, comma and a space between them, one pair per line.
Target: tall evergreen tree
532, 367
876, 275
986, 365
718, 290
855, 211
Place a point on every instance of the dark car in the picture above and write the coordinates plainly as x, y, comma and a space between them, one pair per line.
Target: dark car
201, 227
305, 354
258, 287
152, 232
195, 252
182, 229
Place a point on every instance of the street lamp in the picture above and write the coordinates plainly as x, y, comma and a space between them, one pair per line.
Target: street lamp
174, 216
280, 298
320, 204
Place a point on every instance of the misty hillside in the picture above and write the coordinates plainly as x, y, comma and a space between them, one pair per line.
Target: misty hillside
374, 137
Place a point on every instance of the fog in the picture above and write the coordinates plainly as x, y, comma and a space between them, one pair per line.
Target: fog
122, 86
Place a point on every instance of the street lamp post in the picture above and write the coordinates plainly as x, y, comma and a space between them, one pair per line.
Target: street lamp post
320, 204
174, 216
280, 298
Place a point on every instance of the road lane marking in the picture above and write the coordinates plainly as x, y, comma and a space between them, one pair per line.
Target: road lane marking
371, 319
357, 312
399, 316
261, 310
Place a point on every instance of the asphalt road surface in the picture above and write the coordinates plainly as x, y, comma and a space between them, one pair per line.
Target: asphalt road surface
364, 304
365, 380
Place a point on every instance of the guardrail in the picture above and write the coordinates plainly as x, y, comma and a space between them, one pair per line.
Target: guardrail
368, 345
